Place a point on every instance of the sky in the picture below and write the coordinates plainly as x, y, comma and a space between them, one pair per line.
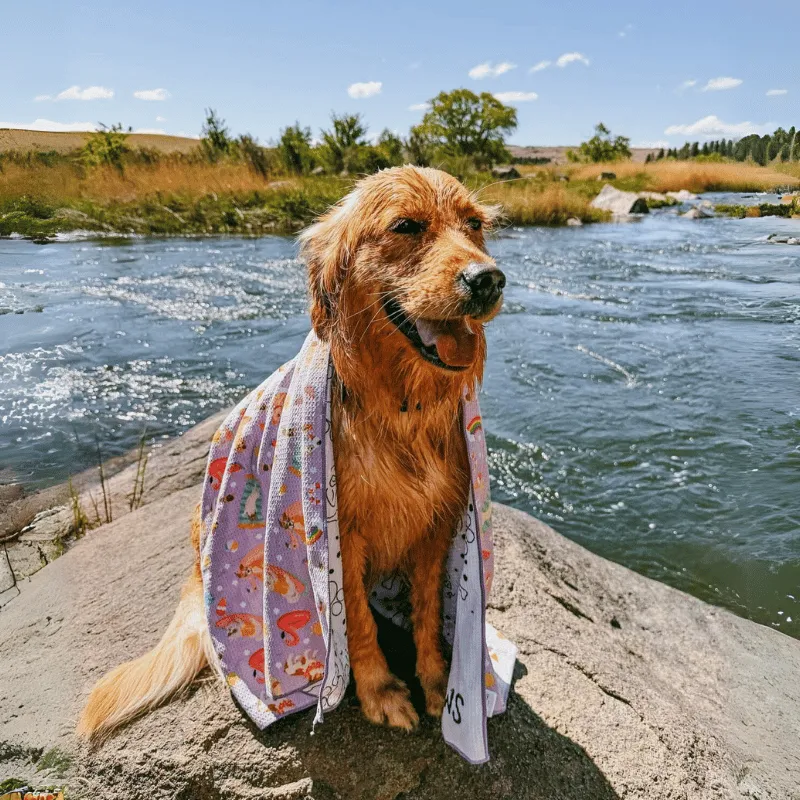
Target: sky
657, 73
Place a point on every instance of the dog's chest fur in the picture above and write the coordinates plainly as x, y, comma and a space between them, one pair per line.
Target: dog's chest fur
401, 479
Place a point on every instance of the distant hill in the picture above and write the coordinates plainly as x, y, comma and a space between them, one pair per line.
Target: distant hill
558, 155
13, 139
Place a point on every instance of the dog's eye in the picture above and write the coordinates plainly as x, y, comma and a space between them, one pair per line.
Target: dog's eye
408, 226
474, 223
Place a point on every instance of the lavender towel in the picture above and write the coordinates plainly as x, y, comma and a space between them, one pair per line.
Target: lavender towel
272, 569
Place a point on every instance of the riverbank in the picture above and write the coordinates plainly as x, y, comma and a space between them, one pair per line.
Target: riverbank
624, 688
180, 197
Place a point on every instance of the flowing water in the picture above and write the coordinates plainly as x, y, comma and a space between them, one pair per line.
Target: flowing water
642, 393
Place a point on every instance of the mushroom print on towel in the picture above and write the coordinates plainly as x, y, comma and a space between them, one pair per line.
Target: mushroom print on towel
272, 570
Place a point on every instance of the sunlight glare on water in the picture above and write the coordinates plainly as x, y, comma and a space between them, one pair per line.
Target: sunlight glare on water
642, 391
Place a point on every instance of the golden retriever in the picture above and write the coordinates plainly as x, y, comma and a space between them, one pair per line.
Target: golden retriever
400, 285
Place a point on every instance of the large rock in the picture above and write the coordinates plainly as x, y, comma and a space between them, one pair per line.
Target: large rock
506, 172
619, 203
625, 688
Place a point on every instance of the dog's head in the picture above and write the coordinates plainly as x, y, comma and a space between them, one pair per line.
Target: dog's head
400, 268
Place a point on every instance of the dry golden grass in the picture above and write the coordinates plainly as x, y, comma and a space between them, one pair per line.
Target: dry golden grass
525, 202
106, 184
666, 176
23, 141
792, 168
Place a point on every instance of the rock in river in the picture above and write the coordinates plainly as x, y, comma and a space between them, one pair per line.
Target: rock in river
683, 196
780, 238
618, 202
698, 212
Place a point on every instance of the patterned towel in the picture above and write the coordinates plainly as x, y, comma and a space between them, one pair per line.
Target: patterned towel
272, 568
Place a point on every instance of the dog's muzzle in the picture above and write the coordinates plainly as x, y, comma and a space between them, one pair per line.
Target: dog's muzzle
483, 285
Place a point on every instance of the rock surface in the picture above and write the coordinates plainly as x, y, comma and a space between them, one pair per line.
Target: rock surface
505, 171
698, 212
619, 203
779, 238
683, 196
625, 688
40, 526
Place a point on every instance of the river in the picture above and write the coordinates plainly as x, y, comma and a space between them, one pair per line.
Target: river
642, 393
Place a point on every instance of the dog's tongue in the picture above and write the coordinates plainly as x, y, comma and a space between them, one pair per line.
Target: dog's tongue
454, 341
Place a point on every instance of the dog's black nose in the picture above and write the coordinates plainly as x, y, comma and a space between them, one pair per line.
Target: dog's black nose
485, 285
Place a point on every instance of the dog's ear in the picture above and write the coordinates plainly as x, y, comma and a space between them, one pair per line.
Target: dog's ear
328, 247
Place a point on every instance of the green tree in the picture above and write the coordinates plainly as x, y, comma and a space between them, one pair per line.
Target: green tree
294, 149
342, 145
258, 158
463, 124
106, 146
758, 150
390, 148
215, 139
602, 147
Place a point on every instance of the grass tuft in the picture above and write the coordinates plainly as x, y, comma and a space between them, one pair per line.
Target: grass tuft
137, 492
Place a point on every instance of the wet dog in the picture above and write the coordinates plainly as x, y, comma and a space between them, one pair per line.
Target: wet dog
401, 286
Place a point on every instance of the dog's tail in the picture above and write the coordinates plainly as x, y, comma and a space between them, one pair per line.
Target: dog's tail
143, 684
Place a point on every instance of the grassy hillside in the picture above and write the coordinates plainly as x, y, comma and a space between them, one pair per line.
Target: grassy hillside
182, 192
43, 141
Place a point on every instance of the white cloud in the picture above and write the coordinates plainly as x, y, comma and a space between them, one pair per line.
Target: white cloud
50, 125
150, 130
362, 90
686, 85
569, 58
486, 70
720, 84
711, 126
151, 94
76, 93
776, 92
419, 107
540, 66
516, 97
161, 119
89, 93
625, 31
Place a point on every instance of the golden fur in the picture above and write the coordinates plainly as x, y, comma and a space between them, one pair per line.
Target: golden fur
400, 456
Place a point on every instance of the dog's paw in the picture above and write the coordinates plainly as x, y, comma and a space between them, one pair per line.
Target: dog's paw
435, 691
389, 704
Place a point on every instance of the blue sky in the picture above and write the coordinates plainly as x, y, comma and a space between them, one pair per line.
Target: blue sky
658, 73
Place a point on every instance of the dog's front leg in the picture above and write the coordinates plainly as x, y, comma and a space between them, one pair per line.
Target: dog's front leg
425, 573
384, 698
